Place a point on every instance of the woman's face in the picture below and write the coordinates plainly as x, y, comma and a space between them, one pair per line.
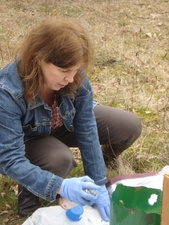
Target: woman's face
55, 77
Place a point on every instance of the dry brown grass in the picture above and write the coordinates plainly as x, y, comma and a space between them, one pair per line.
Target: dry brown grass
131, 41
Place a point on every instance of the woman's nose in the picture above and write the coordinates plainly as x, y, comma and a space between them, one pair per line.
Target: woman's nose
70, 77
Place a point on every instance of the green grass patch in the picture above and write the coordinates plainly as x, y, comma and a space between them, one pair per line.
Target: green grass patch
77, 171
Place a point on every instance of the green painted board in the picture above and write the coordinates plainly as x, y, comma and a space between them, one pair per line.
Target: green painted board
135, 206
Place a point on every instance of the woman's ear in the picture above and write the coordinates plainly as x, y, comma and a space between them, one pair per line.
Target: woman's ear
40, 61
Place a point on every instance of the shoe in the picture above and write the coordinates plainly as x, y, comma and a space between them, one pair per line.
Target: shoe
27, 202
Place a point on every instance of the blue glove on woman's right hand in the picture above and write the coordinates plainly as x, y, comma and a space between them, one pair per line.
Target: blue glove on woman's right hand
74, 190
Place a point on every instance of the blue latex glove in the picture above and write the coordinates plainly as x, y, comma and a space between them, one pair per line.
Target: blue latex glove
74, 190
103, 203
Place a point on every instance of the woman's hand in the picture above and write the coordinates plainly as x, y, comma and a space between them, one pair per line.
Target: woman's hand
103, 203
74, 190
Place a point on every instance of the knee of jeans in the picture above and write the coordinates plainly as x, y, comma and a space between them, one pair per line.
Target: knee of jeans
134, 133
62, 165
138, 128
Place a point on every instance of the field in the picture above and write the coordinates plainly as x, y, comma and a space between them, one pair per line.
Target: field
131, 71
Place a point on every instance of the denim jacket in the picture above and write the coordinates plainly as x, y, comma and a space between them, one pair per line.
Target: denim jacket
20, 121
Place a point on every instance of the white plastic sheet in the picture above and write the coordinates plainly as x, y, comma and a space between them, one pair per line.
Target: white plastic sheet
55, 215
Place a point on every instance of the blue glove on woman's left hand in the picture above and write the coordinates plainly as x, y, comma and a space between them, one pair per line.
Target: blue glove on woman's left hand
103, 203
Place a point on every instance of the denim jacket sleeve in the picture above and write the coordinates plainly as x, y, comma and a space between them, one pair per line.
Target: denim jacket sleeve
12, 149
87, 136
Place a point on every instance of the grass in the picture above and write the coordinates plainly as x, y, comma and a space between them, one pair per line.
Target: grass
130, 72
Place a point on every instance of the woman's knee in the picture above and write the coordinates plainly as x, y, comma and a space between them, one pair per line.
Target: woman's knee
62, 164
136, 127
133, 131
117, 127
50, 154
139, 127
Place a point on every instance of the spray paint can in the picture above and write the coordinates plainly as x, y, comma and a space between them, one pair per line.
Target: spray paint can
66, 204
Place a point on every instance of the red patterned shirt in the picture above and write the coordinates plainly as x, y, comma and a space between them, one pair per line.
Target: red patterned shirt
57, 121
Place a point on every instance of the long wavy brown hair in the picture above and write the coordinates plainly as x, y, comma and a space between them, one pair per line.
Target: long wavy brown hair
58, 41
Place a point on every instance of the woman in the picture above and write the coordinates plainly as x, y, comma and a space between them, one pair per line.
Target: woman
46, 106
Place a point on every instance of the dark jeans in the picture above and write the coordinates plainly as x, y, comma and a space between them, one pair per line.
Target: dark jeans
116, 127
